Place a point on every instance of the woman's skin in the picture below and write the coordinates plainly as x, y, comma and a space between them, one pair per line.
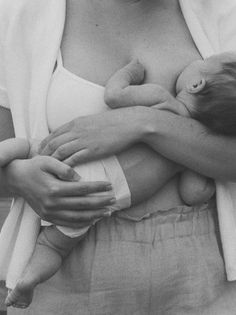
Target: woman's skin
180, 139
106, 35
51, 187
132, 31
82, 46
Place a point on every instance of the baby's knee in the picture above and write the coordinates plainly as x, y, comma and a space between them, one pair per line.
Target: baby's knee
195, 188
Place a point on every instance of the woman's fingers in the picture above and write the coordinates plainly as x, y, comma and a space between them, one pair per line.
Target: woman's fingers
52, 135
50, 144
78, 157
84, 203
87, 217
59, 169
66, 150
80, 188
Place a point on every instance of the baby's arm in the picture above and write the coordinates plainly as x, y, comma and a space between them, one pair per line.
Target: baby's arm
124, 88
12, 149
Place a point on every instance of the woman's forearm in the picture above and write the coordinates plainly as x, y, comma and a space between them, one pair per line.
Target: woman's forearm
145, 171
187, 142
180, 139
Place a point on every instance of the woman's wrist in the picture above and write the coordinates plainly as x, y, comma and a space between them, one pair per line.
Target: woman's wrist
135, 123
151, 124
143, 123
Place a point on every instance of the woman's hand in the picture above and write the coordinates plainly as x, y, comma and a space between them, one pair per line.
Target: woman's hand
95, 136
53, 190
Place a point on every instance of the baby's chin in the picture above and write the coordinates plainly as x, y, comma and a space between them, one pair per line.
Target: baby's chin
188, 100
179, 87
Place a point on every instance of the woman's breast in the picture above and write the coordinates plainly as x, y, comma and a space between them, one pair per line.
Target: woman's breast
70, 96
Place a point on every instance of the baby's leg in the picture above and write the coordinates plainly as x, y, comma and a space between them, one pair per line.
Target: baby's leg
12, 149
124, 90
195, 188
51, 248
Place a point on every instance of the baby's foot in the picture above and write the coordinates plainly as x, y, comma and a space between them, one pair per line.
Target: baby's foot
21, 296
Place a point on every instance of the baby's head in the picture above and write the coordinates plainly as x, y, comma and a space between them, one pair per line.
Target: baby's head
208, 90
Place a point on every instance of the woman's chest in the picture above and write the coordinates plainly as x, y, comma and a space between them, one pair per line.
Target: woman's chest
94, 49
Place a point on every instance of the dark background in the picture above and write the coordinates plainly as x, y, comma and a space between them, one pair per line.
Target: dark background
4, 208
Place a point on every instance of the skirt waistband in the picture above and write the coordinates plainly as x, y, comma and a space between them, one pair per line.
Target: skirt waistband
177, 222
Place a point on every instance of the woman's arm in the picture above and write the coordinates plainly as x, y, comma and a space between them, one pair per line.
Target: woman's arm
146, 172
62, 202
49, 186
189, 143
182, 140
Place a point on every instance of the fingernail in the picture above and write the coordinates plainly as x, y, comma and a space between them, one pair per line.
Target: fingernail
76, 176
73, 175
109, 187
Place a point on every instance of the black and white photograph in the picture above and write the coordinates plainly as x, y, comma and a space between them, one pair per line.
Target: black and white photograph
117, 157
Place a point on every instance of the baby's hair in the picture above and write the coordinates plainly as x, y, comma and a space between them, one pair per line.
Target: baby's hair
216, 102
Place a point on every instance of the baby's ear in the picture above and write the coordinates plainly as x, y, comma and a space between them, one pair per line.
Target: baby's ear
197, 86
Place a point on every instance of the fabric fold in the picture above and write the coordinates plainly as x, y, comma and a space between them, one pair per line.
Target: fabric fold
213, 29
29, 69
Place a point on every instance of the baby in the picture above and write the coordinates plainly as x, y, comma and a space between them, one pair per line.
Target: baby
205, 90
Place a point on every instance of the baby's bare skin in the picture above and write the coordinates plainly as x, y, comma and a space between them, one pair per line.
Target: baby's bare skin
125, 89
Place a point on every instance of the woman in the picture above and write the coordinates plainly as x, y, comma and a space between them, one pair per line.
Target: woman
123, 266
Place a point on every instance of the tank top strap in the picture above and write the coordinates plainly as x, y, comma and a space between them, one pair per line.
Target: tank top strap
58, 63
59, 59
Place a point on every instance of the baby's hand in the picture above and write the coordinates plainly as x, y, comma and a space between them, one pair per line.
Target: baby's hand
12, 149
118, 92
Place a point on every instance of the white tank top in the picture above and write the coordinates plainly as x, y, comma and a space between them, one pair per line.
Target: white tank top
70, 96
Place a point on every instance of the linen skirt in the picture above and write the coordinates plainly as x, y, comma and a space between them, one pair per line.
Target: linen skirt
166, 264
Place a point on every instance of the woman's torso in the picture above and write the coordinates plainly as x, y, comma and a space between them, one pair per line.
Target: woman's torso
122, 267
100, 38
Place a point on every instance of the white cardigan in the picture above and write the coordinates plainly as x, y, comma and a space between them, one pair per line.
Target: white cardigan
30, 36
